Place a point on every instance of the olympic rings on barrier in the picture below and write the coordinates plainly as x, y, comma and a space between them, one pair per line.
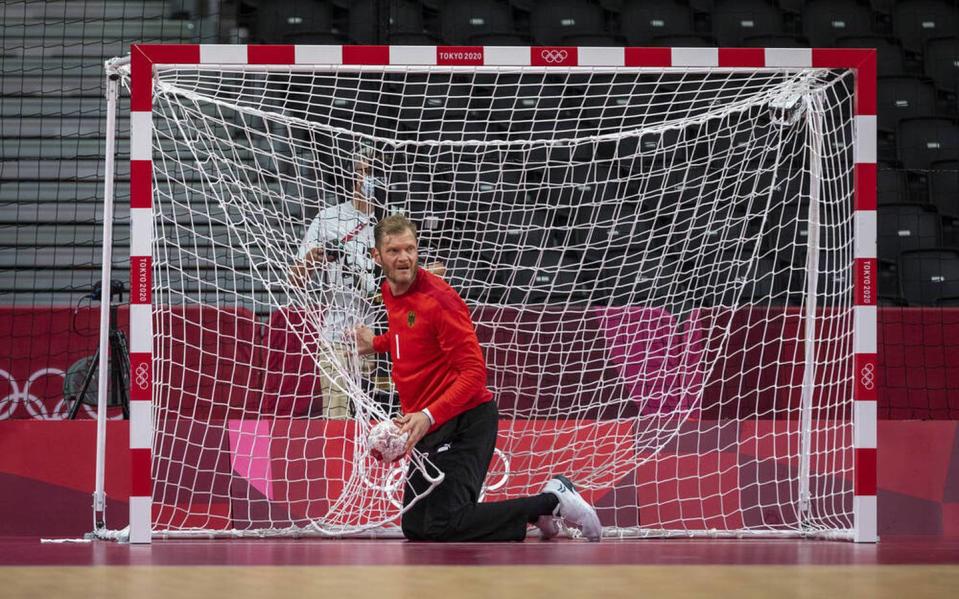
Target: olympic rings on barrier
554, 56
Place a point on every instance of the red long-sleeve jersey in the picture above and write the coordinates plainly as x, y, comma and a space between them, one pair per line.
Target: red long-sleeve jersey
437, 361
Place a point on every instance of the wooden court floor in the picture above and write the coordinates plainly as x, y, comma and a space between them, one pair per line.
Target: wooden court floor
909, 568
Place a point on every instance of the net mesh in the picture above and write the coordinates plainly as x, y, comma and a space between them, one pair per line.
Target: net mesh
658, 265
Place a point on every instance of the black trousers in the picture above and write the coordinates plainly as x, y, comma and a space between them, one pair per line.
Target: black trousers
463, 448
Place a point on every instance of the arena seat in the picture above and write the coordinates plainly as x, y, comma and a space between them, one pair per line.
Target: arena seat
916, 21
277, 20
825, 21
944, 187
643, 21
903, 98
608, 227
461, 20
922, 141
551, 21
735, 20
891, 186
906, 227
405, 16
928, 276
941, 63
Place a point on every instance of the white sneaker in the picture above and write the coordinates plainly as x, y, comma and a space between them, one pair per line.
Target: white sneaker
548, 528
573, 508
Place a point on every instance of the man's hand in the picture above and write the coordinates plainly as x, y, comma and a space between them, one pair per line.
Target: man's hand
303, 270
416, 424
364, 340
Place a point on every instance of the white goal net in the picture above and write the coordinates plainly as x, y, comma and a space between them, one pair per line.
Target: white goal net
658, 264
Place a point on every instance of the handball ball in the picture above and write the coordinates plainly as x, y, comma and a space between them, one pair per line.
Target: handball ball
386, 442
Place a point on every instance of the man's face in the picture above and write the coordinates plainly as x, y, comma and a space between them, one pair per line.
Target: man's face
397, 255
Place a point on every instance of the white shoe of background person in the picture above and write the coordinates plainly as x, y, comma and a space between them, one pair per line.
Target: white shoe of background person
572, 508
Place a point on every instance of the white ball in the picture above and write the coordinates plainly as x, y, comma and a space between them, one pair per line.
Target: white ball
386, 442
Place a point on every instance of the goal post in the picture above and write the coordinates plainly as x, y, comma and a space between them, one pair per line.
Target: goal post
669, 253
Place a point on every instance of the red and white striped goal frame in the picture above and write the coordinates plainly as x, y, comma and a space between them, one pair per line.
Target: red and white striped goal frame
145, 56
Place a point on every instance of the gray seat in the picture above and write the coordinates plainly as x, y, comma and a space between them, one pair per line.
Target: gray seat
928, 276
644, 21
904, 98
735, 20
462, 20
891, 186
276, 20
922, 141
903, 227
405, 17
551, 21
916, 21
941, 63
944, 187
825, 21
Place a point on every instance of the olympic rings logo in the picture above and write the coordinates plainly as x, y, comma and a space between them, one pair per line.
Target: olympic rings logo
867, 376
143, 375
554, 56
33, 403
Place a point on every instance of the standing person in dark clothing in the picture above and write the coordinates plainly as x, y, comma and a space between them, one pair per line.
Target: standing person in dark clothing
448, 412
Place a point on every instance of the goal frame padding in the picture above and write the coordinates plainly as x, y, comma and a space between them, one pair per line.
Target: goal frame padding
144, 57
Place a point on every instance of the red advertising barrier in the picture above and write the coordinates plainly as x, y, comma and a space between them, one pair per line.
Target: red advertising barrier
226, 362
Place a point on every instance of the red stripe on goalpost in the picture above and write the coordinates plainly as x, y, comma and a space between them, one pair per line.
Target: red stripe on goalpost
142, 59
864, 61
375, 55
864, 186
141, 484
278, 54
742, 57
141, 184
865, 465
649, 57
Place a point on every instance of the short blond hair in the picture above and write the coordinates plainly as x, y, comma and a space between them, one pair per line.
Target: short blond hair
394, 224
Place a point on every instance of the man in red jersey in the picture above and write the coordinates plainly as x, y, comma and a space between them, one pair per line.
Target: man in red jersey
450, 415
